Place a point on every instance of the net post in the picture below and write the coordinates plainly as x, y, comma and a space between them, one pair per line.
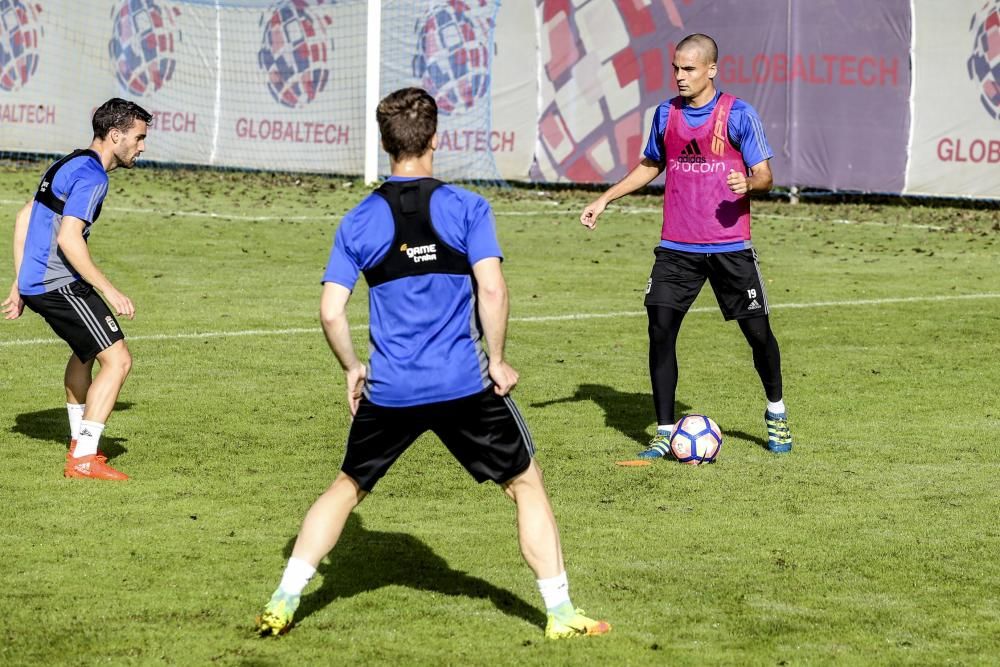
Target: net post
372, 67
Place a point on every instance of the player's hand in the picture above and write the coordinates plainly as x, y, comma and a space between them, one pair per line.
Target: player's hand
121, 303
738, 182
355, 385
593, 211
504, 377
13, 305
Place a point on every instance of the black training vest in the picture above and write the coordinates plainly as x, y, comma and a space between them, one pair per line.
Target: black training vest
47, 198
416, 248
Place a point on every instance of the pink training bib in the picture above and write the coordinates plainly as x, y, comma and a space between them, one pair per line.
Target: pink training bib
698, 206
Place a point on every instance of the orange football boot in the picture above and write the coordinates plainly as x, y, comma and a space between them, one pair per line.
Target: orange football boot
92, 467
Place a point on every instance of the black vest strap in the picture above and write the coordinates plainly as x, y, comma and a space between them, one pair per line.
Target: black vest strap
416, 248
44, 194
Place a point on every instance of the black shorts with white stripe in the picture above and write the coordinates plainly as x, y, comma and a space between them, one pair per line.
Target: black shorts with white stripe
677, 278
79, 316
484, 432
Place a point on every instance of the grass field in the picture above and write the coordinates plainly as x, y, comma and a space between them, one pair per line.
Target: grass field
874, 542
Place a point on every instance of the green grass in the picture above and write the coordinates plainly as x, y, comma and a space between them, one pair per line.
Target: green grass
874, 542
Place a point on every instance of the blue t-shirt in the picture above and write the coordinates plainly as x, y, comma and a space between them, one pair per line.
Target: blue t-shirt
424, 334
82, 184
746, 133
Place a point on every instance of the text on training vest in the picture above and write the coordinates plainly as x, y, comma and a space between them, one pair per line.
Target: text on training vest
421, 253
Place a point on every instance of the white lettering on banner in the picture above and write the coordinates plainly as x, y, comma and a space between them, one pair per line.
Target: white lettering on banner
289, 131
476, 141
975, 151
173, 121
697, 167
29, 114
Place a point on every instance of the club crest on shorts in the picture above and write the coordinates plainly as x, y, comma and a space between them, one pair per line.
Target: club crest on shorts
111, 323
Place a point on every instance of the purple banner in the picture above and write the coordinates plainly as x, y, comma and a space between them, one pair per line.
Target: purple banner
830, 79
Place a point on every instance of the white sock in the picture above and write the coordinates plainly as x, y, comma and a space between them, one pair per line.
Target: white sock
88, 438
776, 408
297, 575
555, 590
75, 412
666, 428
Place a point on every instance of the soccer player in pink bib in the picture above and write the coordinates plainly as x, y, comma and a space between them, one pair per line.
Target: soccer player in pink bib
713, 149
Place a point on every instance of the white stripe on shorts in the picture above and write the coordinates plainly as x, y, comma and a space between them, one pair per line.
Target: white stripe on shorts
760, 279
521, 425
87, 315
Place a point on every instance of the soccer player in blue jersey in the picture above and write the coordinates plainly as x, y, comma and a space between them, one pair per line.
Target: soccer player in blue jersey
713, 149
56, 278
430, 256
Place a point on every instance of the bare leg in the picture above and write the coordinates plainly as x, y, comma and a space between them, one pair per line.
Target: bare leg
326, 518
536, 524
77, 379
116, 362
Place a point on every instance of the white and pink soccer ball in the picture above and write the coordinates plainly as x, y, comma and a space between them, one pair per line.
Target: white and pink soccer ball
696, 439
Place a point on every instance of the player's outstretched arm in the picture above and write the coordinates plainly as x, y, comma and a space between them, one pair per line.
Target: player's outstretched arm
13, 305
639, 177
333, 316
494, 308
75, 249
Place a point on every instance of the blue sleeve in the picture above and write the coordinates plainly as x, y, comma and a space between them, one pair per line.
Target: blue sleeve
654, 145
746, 130
482, 237
85, 190
464, 220
342, 267
362, 239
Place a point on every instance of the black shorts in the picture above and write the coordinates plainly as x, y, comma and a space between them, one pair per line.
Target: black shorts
485, 432
79, 316
735, 277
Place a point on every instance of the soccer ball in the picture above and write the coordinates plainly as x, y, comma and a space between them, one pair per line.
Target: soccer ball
696, 439
142, 44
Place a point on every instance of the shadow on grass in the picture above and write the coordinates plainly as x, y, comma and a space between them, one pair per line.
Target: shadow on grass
742, 435
366, 560
52, 425
630, 413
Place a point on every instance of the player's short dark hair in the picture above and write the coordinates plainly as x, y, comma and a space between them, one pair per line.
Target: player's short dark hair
118, 114
407, 119
703, 43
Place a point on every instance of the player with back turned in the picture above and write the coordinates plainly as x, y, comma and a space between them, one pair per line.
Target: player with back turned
713, 149
57, 278
430, 256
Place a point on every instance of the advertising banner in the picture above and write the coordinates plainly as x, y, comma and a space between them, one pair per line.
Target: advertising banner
829, 79
956, 99
548, 91
478, 58
43, 105
262, 85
